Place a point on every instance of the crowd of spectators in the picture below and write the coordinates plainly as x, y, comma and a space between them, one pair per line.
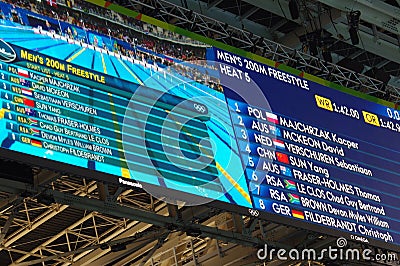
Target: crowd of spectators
146, 35
118, 26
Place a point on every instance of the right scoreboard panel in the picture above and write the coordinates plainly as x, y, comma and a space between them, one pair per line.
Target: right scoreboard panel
315, 156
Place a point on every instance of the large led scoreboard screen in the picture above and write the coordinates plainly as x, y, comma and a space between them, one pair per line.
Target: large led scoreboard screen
233, 130
312, 153
115, 110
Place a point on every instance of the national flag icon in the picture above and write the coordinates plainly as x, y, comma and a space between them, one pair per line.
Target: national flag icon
293, 198
30, 112
274, 130
279, 144
36, 143
281, 157
27, 92
273, 118
285, 170
298, 214
24, 82
35, 132
289, 184
32, 122
23, 73
30, 103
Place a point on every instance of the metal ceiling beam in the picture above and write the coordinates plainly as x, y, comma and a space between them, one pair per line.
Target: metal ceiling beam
275, 51
380, 47
249, 12
154, 249
292, 38
153, 218
91, 256
382, 63
172, 243
117, 210
277, 25
41, 219
63, 232
231, 255
203, 25
356, 54
113, 233
7, 201
142, 243
375, 12
6, 226
133, 253
280, 8
132, 239
132, 228
225, 17
214, 3
373, 42
44, 177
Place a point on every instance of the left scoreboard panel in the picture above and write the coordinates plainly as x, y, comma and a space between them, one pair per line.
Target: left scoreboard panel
68, 103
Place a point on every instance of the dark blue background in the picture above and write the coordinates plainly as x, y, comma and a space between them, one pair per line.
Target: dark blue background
378, 147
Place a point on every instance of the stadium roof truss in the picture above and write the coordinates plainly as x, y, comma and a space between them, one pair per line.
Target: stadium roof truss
66, 220
266, 27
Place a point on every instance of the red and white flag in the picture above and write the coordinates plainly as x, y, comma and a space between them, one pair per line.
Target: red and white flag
273, 118
52, 3
23, 73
